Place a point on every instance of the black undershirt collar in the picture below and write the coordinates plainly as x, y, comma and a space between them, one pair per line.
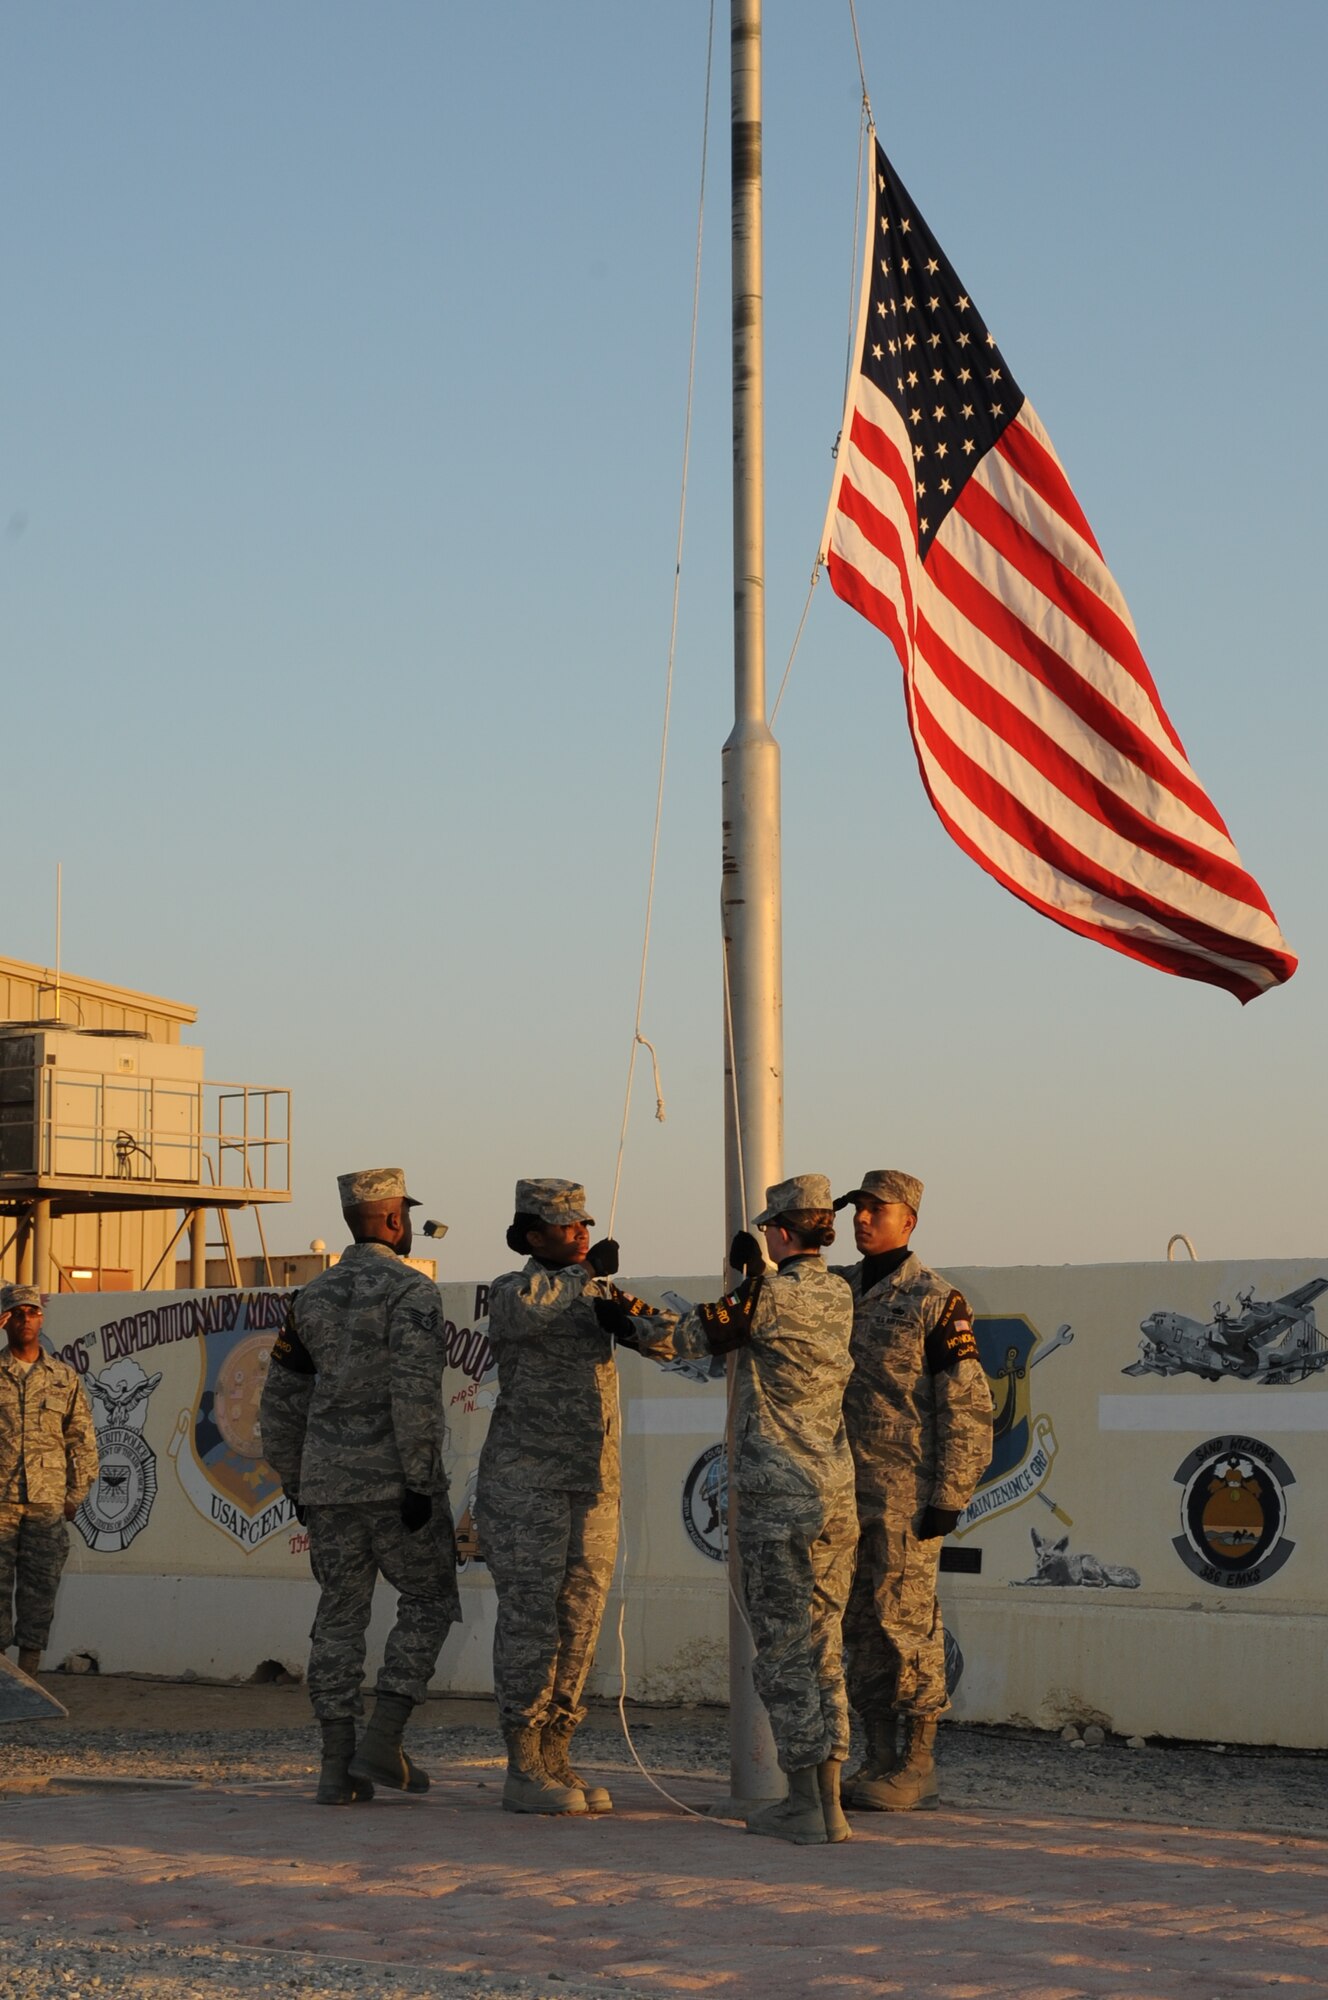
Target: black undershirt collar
882, 1266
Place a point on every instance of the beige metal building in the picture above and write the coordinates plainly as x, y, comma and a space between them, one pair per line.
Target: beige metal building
282, 1267
114, 1144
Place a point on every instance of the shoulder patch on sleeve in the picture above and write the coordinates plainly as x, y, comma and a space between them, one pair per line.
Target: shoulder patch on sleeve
952, 1339
289, 1351
630, 1303
728, 1321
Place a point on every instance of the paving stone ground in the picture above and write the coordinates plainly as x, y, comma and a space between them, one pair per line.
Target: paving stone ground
1052, 1872
448, 1888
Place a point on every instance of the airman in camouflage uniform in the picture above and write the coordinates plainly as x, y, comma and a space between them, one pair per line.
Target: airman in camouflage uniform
546, 1501
918, 1410
48, 1460
792, 1474
352, 1424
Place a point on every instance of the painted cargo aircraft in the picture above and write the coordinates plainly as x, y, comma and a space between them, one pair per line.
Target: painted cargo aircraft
1268, 1341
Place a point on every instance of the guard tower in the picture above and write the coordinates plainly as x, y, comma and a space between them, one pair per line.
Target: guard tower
113, 1142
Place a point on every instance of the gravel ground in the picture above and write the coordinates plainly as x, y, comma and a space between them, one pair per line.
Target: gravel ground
45, 1965
265, 1734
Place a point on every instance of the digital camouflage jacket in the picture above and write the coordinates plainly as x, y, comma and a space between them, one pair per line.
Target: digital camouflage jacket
555, 1423
352, 1408
48, 1447
917, 1407
789, 1442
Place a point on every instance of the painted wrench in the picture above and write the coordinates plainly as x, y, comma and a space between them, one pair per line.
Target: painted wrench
1061, 1338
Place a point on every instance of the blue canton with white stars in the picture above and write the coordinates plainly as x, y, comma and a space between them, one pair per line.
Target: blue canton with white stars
926, 347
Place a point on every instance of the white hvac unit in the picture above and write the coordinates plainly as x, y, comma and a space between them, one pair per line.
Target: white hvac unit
84, 1105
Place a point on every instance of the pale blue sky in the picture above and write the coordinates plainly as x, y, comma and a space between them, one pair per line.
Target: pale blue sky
344, 363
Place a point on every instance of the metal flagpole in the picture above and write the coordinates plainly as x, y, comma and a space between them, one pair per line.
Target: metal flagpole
750, 891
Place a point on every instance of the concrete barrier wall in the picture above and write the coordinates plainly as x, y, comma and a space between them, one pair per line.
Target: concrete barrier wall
1149, 1547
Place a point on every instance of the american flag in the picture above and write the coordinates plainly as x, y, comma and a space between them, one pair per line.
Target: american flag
1039, 733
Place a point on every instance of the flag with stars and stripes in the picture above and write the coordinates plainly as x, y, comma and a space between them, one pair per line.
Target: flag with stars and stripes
1039, 734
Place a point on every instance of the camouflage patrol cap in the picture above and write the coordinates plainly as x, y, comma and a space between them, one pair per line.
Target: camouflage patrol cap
18, 1295
553, 1201
374, 1184
800, 1191
887, 1184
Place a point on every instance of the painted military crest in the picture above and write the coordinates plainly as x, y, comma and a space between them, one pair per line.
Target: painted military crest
705, 1502
1005, 1353
118, 1505
1023, 1440
217, 1447
1233, 1512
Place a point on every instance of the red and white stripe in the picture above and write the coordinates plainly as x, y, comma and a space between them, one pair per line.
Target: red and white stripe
1039, 734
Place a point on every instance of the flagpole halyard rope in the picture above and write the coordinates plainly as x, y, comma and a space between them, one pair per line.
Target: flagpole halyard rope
797, 641
857, 43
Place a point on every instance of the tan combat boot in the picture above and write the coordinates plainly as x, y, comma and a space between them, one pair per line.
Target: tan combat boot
827, 1780
528, 1788
29, 1660
798, 1817
555, 1754
882, 1754
913, 1787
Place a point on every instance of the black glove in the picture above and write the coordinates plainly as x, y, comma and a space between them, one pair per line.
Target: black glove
628, 1319
301, 1513
615, 1318
746, 1255
938, 1521
602, 1257
416, 1511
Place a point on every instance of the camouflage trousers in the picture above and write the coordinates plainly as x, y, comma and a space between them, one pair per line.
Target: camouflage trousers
894, 1638
349, 1549
550, 1553
795, 1579
34, 1548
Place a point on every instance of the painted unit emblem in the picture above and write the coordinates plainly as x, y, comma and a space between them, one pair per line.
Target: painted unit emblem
1023, 1443
705, 1501
1233, 1512
119, 1502
217, 1448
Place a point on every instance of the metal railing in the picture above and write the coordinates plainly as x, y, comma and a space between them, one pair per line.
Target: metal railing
91, 1126
252, 1123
